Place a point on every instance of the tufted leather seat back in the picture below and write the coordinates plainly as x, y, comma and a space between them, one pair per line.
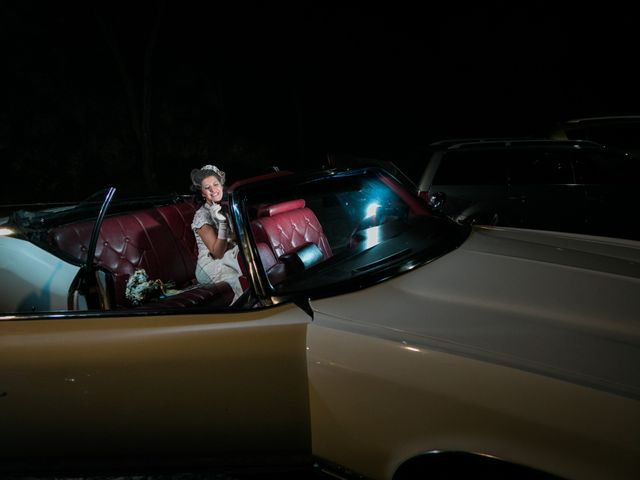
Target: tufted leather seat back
159, 240
286, 227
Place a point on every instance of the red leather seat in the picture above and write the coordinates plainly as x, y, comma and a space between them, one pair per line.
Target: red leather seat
285, 228
158, 240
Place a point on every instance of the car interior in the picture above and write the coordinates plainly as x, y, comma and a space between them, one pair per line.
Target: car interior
303, 237
158, 240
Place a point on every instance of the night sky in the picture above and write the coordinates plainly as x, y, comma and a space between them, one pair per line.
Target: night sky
89, 87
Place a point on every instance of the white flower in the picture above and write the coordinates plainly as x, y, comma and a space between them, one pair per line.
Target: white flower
140, 288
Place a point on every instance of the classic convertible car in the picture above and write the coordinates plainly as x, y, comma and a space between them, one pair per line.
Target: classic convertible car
374, 339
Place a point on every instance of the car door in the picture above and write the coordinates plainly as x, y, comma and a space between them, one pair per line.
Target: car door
154, 388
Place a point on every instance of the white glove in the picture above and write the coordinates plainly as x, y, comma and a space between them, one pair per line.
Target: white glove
216, 212
222, 230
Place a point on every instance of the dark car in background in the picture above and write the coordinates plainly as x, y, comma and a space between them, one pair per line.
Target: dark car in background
620, 133
563, 185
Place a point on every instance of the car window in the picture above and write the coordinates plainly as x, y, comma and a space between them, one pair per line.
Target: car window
597, 168
471, 168
540, 168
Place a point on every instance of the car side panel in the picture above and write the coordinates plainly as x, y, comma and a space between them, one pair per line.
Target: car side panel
202, 385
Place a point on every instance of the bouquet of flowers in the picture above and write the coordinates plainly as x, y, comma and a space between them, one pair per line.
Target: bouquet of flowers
140, 289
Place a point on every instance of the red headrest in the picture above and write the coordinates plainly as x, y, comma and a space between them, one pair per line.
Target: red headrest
278, 208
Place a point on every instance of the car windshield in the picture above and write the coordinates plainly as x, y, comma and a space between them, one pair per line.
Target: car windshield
340, 230
42, 216
39, 217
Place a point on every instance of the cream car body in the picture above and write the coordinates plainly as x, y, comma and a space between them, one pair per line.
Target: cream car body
519, 345
406, 338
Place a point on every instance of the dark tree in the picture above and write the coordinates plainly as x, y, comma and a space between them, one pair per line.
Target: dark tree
138, 99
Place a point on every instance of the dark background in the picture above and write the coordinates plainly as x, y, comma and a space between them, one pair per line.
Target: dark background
136, 94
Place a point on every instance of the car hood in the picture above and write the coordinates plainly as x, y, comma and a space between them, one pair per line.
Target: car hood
562, 305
